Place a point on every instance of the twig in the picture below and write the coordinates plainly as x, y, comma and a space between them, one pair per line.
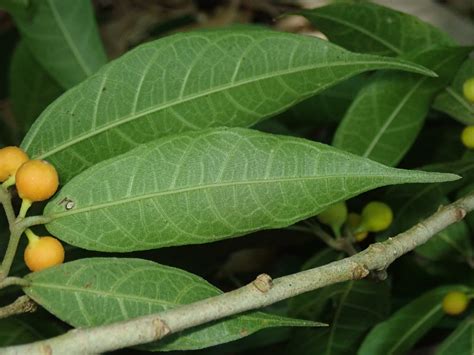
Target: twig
27, 222
6, 201
10, 254
23, 304
260, 293
10, 281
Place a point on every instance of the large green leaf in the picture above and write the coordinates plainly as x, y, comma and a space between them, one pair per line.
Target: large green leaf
454, 242
31, 87
406, 326
411, 203
310, 305
14, 5
199, 187
385, 118
358, 305
461, 341
371, 28
13, 332
63, 37
95, 291
452, 101
188, 81
28, 328
328, 106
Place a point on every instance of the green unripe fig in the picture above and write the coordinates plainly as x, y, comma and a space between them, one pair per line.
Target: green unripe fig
376, 217
353, 221
467, 137
455, 303
334, 216
468, 90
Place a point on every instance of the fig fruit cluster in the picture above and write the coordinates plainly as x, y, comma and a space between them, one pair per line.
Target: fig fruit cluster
35, 180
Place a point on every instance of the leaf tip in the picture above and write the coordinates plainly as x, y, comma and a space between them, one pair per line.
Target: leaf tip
451, 177
444, 177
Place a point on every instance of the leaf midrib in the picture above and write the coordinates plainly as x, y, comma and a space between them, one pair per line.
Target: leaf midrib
446, 344
114, 295
458, 98
69, 41
414, 327
361, 30
394, 114
202, 187
337, 316
232, 85
399, 107
452, 243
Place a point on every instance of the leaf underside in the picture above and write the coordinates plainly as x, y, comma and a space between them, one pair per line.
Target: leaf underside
189, 81
199, 187
96, 291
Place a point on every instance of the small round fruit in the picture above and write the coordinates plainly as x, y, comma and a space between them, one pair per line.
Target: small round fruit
376, 217
467, 137
455, 303
11, 158
43, 252
353, 221
468, 89
335, 215
36, 180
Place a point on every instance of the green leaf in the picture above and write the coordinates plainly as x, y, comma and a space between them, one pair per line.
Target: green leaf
404, 328
358, 305
14, 331
327, 107
14, 5
63, 37
452, 242
28, 328
370, 28
411, 203
189, 81
461, 341
199, 187
452, 101
386, 116
310, 305
31, 87
98, 291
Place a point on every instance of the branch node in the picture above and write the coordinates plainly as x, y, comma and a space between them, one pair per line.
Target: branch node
376, 248
30, 307
460, 213
161, 328
263, 283
22, 304
359, 272
46, 350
